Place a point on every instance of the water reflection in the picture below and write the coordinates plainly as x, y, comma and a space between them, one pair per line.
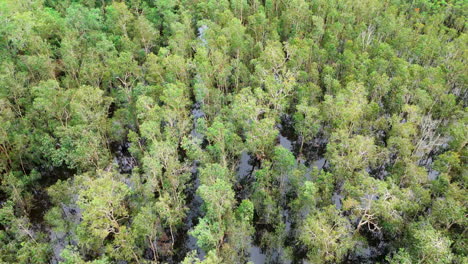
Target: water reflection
197, 113
432, 175
193, 199
201, 34
122, 157
285, 142
336, 199
256, 255
245, 167
320, 163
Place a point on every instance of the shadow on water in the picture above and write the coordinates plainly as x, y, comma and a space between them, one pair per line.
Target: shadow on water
256, 255
122, 156
245, 171
373, 250
41, 204
41, 201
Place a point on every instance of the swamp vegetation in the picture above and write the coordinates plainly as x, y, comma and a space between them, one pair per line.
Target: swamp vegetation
241, 131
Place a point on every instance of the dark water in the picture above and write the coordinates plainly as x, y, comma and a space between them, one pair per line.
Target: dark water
122, 157
256, 255
185, 242
285, 142
246, 166
271, 254
59, 240
42, 203
375, 249
286, 136
244, 178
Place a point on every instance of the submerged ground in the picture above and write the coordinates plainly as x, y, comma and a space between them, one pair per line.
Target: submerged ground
242, 131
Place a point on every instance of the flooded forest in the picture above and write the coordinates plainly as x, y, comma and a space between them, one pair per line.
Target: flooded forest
233, 131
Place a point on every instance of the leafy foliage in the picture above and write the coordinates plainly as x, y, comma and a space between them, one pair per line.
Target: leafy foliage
138, 131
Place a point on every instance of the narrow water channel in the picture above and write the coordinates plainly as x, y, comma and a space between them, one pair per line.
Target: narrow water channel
194, 201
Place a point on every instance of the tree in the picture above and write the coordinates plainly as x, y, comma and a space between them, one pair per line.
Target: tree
18, 242
274, 75
171, 212
247, 109
306, 199
306, 122
429, 245
295, 18
400, 257
71, 256
171, 93
218, 202
102, 201
211, 258
347, 108
180, 41
241, 231
283, 164
175, 110
261, 137
326, 235
145, 34
225, 144
348, 155
119, 18
147, 228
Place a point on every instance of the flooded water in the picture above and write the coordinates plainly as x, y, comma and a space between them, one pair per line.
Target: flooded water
285, 142
337, 200
275, 251
311, 159
244, 179
245, 167
432, 175
194, 201
256, 255
320, 163
197, 113
59, 240
201, 34
194, 213
122, 157
244, 172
